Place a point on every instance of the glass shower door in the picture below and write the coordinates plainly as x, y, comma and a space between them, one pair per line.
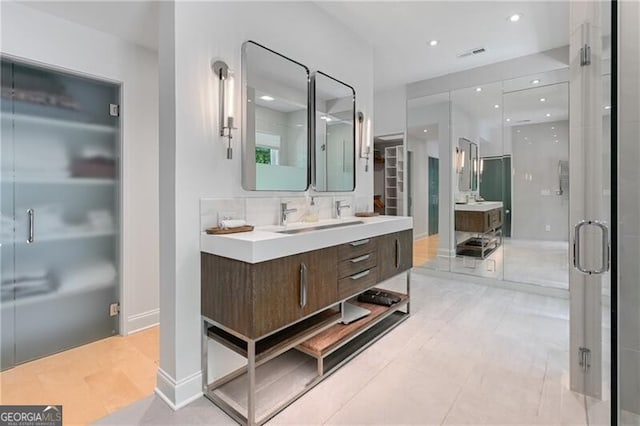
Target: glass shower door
590, 198
64, 183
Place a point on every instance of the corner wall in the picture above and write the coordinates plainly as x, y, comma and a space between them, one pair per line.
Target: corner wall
193, 156
35, 36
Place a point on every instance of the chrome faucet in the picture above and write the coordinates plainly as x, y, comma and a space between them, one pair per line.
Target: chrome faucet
284, 213
339, 207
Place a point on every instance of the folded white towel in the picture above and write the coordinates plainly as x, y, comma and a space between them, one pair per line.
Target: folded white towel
232, 223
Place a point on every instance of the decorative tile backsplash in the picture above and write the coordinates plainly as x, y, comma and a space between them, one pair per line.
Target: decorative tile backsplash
264, 211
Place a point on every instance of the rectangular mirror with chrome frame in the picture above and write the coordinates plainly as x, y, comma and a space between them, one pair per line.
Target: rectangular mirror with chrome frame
335, 135
275, 121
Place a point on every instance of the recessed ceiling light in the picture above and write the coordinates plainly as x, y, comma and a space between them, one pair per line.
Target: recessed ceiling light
496, 106
556, 141
555, 136
508, 119
478, 89
433, 43
328, 119
553, 128
607, 107
425, 130
543, 99
517, 131
536, 81
266, 98
515, 17
298, 125
548, 115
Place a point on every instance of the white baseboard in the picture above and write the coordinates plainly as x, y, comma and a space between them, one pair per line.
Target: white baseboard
419, 236
177, 394
510, 285
141, 321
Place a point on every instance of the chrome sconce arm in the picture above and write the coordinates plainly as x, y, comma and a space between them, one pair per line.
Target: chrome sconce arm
225, 102
364, 133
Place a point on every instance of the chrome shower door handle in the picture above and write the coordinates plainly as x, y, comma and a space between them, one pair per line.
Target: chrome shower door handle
30, 235
606, 250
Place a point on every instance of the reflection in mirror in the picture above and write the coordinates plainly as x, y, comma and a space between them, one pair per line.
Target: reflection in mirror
430, 179
478, 221
275, 121
335, 134
536, 131
468, 165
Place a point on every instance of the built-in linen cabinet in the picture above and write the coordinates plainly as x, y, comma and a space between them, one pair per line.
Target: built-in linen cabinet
289, 310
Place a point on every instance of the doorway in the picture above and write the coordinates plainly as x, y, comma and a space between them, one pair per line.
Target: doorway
434, 194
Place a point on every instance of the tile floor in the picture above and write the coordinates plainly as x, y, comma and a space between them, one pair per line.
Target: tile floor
544, 263
469, 354
90, 381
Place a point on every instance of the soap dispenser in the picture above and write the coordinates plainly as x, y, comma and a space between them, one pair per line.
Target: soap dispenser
312, 211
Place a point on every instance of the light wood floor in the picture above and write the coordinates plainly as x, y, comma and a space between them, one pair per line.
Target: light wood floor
90, 381
425, 249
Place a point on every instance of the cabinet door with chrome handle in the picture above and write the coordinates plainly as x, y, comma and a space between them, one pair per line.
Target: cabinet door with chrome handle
303, 285
30, 226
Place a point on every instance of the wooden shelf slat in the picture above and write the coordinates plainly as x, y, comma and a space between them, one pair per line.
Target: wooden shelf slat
323, 343
279, 341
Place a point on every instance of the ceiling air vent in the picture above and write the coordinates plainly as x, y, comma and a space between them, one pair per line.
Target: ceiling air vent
471, 52
523, 121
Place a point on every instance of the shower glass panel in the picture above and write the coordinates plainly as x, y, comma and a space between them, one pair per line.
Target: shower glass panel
428, 142
477, 143
60, 211
536, 133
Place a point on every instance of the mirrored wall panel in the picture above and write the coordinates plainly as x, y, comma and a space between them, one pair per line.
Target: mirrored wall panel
429, 185
275, 121
478, 220
536, 132
334, 150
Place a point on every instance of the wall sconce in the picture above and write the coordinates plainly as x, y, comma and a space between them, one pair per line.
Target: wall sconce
226, 97
459, 160
364, 131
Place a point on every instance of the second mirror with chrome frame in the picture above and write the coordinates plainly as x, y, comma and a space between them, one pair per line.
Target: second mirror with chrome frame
334, 134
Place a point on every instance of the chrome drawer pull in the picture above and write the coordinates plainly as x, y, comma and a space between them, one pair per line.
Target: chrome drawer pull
359, 243
303, 285
360, 275
30, 236
360, 259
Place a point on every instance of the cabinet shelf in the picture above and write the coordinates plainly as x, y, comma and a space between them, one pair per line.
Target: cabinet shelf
60, 123
281, 341
326, 342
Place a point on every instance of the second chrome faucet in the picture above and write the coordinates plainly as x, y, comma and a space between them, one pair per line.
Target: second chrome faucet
284, 213
338, 208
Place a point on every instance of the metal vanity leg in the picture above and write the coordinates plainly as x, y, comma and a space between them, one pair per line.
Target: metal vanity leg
320, 366
205, 357
409, 291
251, 371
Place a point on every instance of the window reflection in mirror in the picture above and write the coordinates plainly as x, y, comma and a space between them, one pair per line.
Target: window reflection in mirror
275, 98
334, 134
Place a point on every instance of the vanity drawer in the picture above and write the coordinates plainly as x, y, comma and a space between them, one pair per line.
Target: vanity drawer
357, 283
356, 264
356, 248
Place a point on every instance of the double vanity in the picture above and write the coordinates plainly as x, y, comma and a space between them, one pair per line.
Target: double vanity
277, 296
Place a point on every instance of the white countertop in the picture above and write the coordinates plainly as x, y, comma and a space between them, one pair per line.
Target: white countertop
480, 206
265, 243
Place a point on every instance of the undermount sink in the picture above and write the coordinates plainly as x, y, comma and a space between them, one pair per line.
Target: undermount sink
320, 227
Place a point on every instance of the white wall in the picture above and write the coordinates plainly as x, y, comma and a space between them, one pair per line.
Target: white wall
535, 203
193, 163
390, 111
38, 37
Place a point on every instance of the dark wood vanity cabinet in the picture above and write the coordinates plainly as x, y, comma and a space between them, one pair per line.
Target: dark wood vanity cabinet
395, 253
478, 221
256, 299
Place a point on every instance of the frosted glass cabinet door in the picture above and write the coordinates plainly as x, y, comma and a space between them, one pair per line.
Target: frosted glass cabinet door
7, 325
66, 211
